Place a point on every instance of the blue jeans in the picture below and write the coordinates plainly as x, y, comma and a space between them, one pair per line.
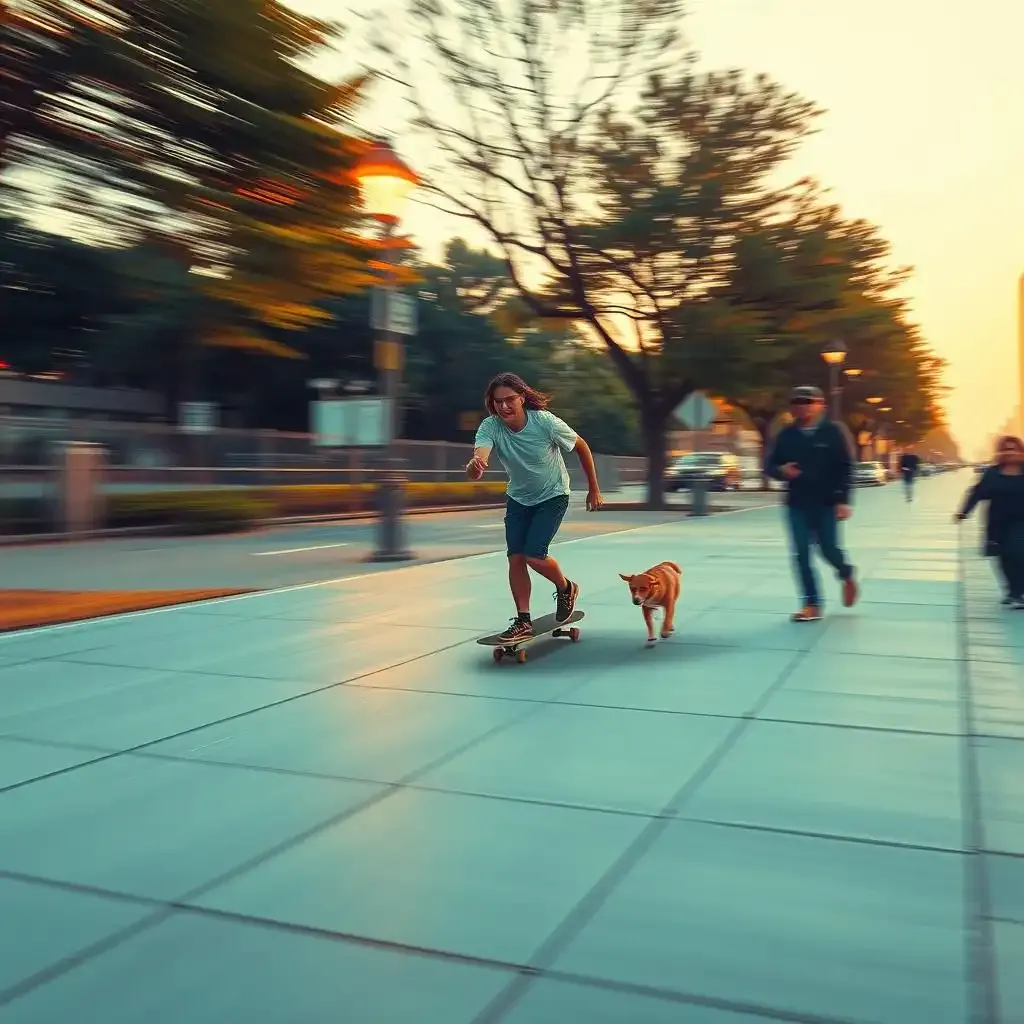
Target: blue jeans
1011, 561
816, 524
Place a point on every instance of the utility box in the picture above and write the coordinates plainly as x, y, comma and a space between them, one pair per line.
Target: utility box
80, 488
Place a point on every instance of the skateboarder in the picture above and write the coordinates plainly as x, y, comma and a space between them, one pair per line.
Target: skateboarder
529, 442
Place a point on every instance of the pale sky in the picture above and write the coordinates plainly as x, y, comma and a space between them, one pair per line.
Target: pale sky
922, 134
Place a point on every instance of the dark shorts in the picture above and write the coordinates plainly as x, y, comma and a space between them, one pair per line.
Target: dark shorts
529, 529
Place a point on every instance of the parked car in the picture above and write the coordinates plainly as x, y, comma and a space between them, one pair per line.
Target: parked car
868, 474
720, 469
751, 473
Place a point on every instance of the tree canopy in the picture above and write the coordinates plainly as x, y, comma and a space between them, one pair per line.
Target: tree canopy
194, 127
643, 200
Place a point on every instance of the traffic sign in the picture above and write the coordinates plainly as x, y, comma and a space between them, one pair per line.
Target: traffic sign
696, 411
351, 422
394, 312
197, 417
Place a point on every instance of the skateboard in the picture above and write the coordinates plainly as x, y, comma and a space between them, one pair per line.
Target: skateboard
541, 627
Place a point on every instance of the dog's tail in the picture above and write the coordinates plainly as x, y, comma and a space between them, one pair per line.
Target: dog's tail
672, 565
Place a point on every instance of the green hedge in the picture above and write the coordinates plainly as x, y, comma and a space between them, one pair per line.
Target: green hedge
190, 512
226, 509
321, 499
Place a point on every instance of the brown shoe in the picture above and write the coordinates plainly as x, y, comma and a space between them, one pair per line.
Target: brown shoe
850, 592
809, 613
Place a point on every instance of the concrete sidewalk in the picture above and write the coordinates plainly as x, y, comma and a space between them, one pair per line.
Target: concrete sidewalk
327, 804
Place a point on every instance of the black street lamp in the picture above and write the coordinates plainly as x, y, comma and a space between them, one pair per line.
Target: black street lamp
385, 183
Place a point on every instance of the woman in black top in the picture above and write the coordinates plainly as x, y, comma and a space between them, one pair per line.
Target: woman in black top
1002, 486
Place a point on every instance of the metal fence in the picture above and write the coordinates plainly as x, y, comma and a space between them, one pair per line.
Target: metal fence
141, 456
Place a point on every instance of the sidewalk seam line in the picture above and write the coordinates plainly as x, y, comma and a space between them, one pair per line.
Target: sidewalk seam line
979, 959
594, 899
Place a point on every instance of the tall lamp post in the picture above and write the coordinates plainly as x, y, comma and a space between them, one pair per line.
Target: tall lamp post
385, 183
874, 401
834, 354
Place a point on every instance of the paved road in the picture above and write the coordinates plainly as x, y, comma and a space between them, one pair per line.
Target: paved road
286, 556
327, 803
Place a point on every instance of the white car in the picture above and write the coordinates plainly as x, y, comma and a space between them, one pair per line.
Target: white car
868, 474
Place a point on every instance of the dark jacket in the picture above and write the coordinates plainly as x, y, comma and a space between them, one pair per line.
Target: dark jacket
909, 463
1005, 497
825, 461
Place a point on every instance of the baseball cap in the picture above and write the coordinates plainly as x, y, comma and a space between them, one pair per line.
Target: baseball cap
807, 393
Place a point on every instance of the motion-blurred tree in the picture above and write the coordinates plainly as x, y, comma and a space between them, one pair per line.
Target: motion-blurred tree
197, 124
812, 276
56, 296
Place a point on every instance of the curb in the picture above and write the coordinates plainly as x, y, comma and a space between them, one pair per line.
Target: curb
24, 540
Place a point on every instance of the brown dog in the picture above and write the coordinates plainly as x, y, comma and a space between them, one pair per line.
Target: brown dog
659, 587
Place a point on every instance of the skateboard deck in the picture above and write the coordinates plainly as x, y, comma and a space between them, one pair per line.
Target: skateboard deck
543, 626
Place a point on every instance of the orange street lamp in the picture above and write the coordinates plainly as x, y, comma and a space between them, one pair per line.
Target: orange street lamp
385, 182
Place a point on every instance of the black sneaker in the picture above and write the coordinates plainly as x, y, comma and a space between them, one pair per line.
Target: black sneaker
519, 629
565, 601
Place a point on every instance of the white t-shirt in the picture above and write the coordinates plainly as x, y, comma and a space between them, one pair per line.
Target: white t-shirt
532, 457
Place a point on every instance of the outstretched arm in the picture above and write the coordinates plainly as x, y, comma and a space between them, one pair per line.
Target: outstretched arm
590, 470
567, 440
979, 492
476, 465
483, 444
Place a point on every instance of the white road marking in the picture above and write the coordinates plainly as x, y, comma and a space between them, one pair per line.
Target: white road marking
292, 551
490, 526
316, 584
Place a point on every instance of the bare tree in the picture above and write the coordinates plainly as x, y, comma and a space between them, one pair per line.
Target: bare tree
615, 179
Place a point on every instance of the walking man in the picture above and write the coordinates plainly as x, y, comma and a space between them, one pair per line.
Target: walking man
529, 442
910, 463
815, 459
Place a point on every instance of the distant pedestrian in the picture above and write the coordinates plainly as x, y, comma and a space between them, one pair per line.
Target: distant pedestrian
1002, 486
814, 456
910, 463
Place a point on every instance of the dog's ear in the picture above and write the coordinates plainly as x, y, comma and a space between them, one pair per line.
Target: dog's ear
624, 577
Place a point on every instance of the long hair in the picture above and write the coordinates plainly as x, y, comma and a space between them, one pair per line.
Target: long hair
532, 398
1007, 441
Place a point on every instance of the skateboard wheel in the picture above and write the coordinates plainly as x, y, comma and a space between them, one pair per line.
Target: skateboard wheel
521, 656
558, 632
497, 654
574, 635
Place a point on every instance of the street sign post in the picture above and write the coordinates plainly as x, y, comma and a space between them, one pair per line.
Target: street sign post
393, 312
696, 411
351, 423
